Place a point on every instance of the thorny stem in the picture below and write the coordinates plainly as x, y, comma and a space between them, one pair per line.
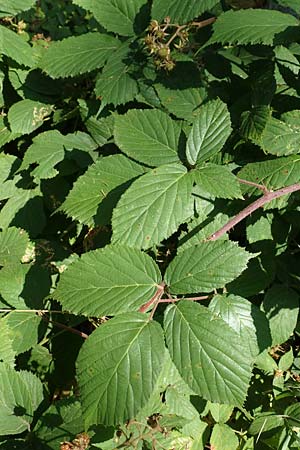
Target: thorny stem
266, 198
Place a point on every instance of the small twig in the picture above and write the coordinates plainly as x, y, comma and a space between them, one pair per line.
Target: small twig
64, 327
173, 300
204, 23
177, 32
266, 198
251, 183
155, 305
158, 293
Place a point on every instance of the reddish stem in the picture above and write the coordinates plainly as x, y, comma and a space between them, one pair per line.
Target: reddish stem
158, 294
266, 198
251, 183
64, 327
173, 300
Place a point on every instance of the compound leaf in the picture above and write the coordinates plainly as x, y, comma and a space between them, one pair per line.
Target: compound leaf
250, 26
209, 133
208, 353
148, 136
207, 266
117, 381
153, 207
108, 281
78, 54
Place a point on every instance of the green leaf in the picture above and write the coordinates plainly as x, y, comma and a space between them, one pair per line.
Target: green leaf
5, 133
24, 327
14, 7
7, 353
96, 192
115, 85
16, 48
118, 16
286, 58
286, 360
281, 306
259, 227
293, 4
180, 11
20, 394
66, 412
47, 150
244, 318
116, 382
200, 229
24, 286
265, 422
13, 244
208, 353
274, 173
220, 413
26, 116
78, 54
149, 136
100, 129
108, 281
207, 266
280, 138
253, 122
153, 207
183, 103
259, 274
8, 167
250, 26
223, 438
209, 133
24, 210
218, 181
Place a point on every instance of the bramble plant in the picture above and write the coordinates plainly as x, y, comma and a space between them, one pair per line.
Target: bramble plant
149, 224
